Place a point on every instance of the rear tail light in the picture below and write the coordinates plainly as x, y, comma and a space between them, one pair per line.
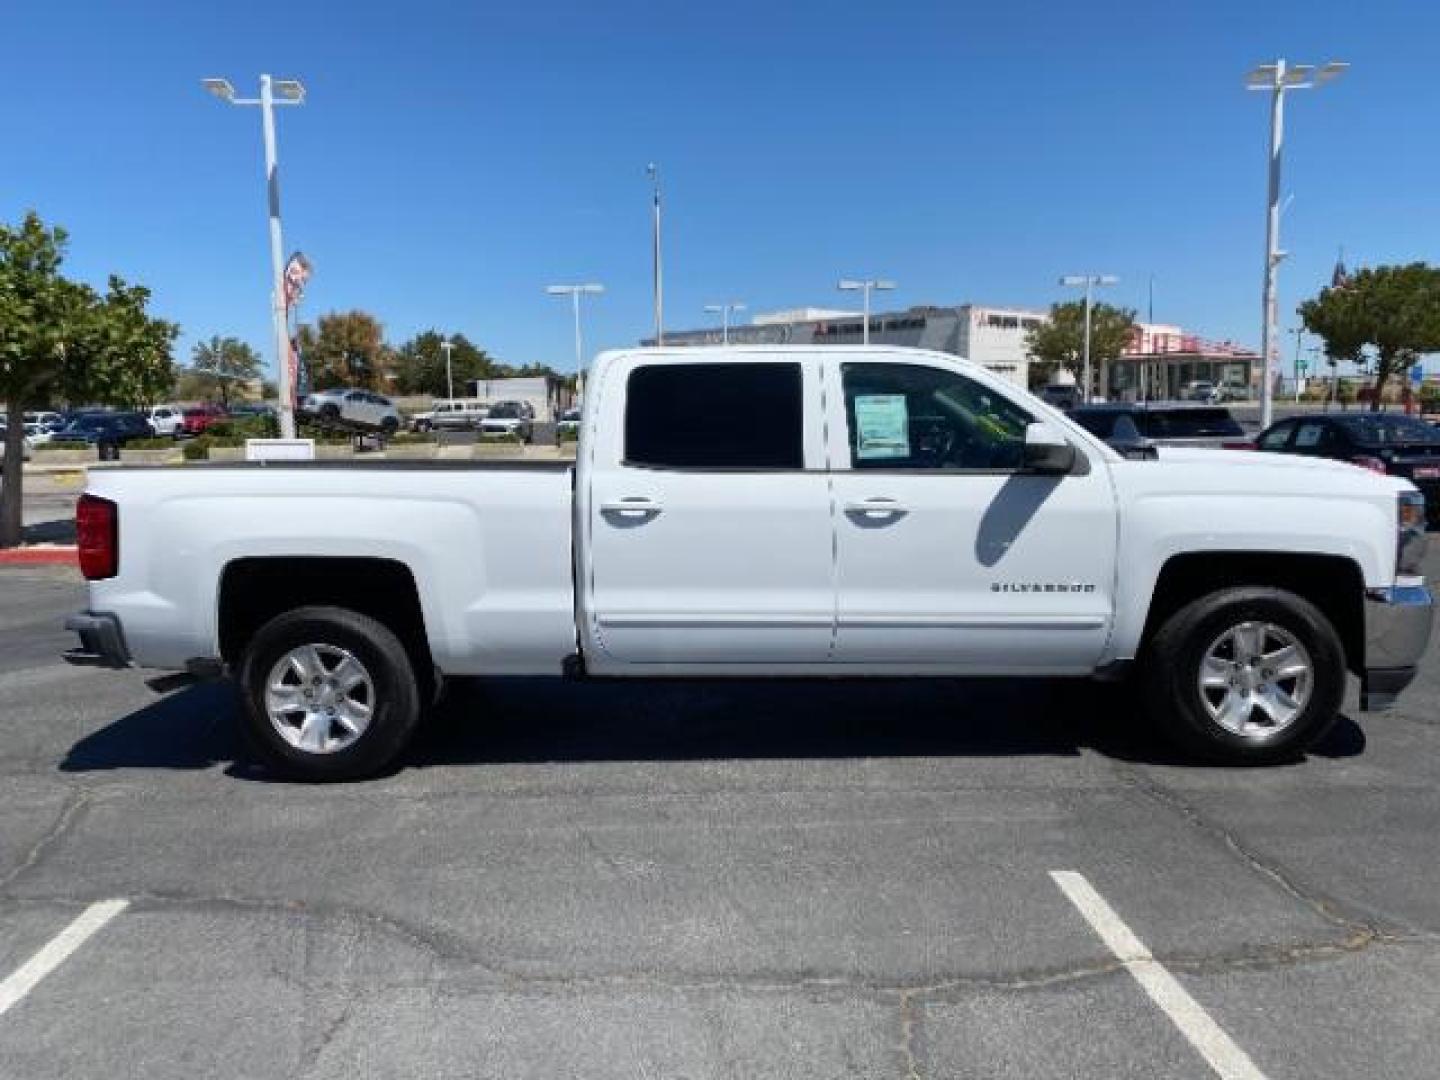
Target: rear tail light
97, 531
1238, 444
1365, 461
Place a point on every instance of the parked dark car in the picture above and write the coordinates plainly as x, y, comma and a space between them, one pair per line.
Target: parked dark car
1383, 442
1060, 396
1162, 424
106, 431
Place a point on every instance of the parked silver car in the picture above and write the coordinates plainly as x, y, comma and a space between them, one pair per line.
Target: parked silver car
351, 408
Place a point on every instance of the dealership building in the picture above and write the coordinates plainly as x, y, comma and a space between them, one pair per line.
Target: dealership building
1158, 364
993, 336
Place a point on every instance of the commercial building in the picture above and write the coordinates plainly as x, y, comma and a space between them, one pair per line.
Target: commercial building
1161, 361
993, 336
1158, 364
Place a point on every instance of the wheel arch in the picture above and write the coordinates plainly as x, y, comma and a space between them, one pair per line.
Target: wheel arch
254, 590
1335, 584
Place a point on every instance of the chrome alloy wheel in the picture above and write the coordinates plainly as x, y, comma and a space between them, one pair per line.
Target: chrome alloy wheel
1255, 679
319, 698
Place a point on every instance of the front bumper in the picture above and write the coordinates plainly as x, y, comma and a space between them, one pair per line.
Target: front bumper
102, 643
1397, 631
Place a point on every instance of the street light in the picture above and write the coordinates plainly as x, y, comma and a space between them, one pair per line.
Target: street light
725, 311
1088, 282
851, 285
658, 271
1278, 78
290, 92
575, 292
449, 347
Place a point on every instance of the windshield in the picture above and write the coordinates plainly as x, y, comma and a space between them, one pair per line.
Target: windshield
1383, 429
505, 412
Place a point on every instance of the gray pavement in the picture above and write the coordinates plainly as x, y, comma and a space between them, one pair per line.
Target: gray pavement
702, 880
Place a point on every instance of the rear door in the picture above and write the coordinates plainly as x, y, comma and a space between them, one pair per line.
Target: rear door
707, 515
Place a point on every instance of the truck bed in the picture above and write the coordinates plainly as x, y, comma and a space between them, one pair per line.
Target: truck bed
487, 543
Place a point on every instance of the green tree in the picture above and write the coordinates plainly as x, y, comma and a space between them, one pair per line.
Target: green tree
223, 365
60, 339
344, 349
1393, 309
419, 364
1059, 342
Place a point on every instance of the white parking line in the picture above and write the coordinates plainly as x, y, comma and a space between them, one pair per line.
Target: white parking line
57, 950
1216, 1047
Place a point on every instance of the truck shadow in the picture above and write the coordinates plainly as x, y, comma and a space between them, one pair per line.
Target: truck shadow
551, 720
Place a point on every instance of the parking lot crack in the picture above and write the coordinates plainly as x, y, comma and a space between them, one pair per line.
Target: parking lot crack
70, 812
1359, 931
909, 1024
312, 1053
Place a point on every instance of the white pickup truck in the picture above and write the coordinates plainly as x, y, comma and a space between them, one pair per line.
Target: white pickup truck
767, 512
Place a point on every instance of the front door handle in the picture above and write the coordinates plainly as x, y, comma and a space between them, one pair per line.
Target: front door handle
877, 507
633, 506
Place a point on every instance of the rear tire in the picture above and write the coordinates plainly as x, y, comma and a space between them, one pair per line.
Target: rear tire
297, 716
389, 426
1245, 676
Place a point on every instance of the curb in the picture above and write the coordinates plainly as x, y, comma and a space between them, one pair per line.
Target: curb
50, 555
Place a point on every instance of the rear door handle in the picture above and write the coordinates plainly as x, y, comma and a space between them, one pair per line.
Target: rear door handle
633, 506
877, 506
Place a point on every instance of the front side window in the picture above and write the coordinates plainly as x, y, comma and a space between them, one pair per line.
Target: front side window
905, 416
715, 416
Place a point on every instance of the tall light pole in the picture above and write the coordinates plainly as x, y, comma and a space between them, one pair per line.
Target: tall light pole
290, 92
724, 311
1277, 78
865, 286
1088, 282
449, 347
658, 280
575, 292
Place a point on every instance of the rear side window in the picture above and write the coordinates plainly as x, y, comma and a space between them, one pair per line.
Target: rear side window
1276, 437
1099, 424
715, 416
1190, 423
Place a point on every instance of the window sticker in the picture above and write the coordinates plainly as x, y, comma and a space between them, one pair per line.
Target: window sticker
1309, 434
882, 427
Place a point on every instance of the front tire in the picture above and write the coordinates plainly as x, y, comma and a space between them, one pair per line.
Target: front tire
330, 694
1245, 676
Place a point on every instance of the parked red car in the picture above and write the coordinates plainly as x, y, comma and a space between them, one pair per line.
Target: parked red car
197, 419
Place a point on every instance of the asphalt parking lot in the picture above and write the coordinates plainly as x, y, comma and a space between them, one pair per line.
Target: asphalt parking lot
705, 880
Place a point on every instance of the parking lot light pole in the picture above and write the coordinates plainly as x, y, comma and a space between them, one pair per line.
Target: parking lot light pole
658, 276
1277, 78
865, 287
291, 92
724, 311
1088, 282
575, 292
449, 347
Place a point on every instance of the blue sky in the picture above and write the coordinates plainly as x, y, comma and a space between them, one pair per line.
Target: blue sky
454, 158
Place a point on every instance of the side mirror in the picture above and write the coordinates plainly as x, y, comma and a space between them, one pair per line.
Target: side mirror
1047, 451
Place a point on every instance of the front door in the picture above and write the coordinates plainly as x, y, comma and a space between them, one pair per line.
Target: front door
708, 516
949, 556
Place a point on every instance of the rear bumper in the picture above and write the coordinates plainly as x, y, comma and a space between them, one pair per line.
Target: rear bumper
102, 642
1397, 631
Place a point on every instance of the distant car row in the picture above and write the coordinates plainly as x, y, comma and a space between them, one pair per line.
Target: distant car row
108, 430
472, 414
